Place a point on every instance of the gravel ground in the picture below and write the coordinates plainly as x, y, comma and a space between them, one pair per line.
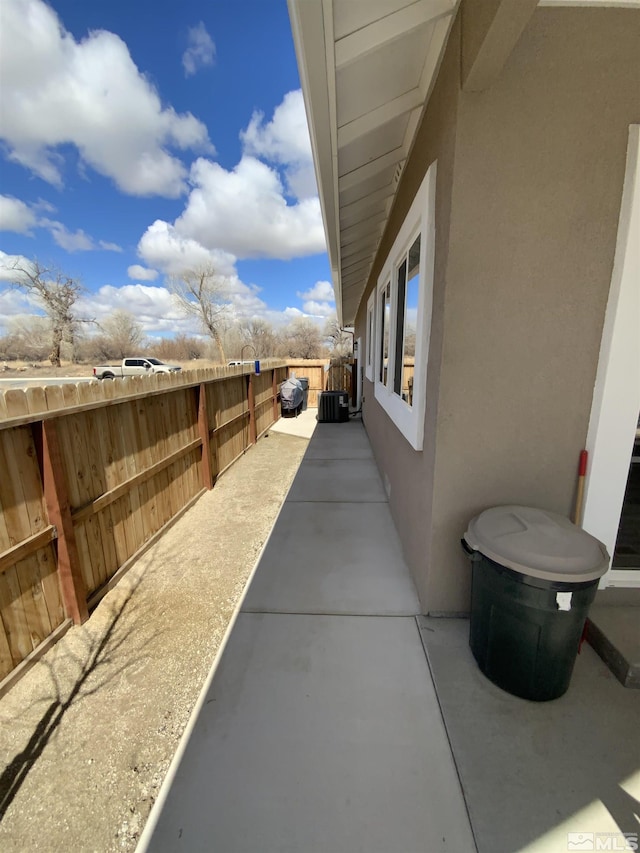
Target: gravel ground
87, 735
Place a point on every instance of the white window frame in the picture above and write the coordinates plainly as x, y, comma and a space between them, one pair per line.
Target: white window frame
420, 220
370, 337
616, 395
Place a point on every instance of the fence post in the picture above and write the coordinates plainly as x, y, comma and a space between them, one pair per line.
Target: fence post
274, 389
204, 434
253, 435
72, 586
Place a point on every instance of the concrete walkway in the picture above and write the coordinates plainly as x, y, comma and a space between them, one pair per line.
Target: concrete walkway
320, 730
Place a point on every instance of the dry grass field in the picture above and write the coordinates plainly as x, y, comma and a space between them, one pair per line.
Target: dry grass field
32, 370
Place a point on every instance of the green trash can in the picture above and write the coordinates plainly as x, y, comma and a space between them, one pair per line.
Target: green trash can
534, 577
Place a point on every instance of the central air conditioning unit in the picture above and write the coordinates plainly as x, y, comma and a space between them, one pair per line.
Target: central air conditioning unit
333, 407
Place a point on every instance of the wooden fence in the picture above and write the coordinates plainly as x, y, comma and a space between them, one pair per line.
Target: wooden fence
91, 474
324, 375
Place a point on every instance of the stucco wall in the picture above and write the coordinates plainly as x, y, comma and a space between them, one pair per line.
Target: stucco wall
410, 475
539, 167
529, 183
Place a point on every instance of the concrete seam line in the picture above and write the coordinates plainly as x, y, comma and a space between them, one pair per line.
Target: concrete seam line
156, 810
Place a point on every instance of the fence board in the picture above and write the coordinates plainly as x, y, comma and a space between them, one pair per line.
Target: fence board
13, 615
14, 511
56, 496
79, 469
148, 507
127, 446
51, 586
107, 436
27, 547
174, 441
6, 658
93, 430
164, 428
35, 609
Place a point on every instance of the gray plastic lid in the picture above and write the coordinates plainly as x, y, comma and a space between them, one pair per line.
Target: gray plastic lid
537, 543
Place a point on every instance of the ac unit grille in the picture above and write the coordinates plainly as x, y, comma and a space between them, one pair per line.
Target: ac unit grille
333, 407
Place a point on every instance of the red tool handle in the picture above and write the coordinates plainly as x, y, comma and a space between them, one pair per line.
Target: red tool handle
582, 467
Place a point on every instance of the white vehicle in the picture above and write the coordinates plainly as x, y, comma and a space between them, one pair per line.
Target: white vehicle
134, 367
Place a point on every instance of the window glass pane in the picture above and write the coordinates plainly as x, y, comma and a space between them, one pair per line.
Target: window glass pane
370, 338
410, 321
397, 361
385, 320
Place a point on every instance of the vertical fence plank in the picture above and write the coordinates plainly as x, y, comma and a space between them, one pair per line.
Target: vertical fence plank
251, 399
55, 493
157, 430
130, 454
274, 388
14, 616
206, 471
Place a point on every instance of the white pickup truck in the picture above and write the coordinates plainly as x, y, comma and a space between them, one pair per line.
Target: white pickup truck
134, 367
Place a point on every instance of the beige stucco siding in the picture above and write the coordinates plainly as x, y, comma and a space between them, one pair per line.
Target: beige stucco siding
528, 200
410, 475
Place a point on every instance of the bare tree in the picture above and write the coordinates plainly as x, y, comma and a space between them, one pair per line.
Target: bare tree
180, 348
304, 339
57, 295
340, 342
122, 333
259, 333
27, 339
204, 294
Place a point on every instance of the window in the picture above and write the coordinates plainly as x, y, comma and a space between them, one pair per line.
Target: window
370, 337
402, 330
383, 336
407, 314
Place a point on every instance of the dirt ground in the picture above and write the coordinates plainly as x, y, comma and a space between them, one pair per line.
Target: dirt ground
87, 735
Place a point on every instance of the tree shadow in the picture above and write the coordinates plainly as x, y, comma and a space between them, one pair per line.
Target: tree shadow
624, 809
98, 653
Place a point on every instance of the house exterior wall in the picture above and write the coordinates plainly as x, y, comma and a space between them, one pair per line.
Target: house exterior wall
409, 475
529, 184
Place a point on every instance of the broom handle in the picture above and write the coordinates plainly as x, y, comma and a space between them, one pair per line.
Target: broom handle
582, 473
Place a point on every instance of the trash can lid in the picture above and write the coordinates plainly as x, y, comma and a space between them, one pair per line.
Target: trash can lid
537, 543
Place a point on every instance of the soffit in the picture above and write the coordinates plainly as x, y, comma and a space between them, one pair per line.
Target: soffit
367, 69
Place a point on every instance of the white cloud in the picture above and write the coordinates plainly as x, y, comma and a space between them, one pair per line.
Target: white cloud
15, 215
43, 206
72, 241
163, 247
142, 273
154, 307
318, 309
75, 241
244, 212
9, 263
158, 311
285, 141
90, 94
14, 303
322, 290
201, 51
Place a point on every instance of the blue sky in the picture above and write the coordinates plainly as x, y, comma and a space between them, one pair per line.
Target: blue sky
138, 139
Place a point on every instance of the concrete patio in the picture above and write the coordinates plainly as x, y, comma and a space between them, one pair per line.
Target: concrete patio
321, 729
